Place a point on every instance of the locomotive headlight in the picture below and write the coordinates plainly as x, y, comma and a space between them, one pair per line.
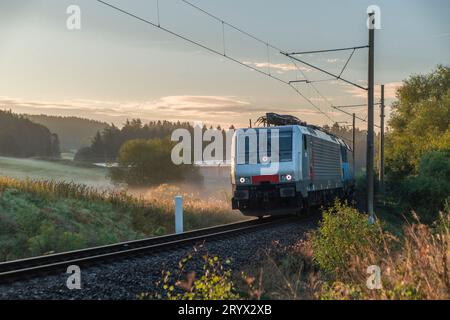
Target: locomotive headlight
244, 180
286, 178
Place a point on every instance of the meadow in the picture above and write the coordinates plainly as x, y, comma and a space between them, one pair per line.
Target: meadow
51, 170
48, 207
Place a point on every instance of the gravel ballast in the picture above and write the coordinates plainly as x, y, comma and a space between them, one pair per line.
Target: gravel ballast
126, 279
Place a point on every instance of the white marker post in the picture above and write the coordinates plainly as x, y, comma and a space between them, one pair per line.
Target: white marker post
179, 214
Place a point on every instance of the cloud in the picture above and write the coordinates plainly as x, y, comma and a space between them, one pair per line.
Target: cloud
172, 106
317, 99
279, 67
390, 90
223, 110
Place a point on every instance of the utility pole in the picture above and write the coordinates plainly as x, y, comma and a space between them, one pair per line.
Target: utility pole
370, 120
382, 116
354, 145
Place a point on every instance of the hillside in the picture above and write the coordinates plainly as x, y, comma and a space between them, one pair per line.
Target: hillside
41, 216
22, 138
74, 133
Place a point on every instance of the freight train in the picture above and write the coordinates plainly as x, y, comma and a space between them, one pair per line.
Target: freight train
312, 168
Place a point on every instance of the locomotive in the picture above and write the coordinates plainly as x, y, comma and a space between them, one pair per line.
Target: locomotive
311, 167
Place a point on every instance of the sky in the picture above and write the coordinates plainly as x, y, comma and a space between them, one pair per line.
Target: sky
115, 67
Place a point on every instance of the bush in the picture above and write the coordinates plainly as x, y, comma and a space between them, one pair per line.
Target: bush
427, 192
214, 283
343, 234
148, 162
417, 268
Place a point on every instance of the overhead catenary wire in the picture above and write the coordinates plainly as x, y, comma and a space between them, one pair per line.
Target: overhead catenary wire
310, 83
355, 105
346, 64
350, 114
231, 25
328, 50
337, 77
268, 45
331, 104
132, 15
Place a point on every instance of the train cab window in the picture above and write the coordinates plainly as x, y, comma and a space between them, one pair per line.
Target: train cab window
284, 145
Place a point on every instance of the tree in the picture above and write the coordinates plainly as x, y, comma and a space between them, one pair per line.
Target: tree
106, 144
20, 137
148, 162
427, 192
420, 122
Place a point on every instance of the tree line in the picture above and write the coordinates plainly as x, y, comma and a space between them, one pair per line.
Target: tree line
20, 137
106, 145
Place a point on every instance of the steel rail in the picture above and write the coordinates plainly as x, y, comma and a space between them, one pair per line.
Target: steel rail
57, 263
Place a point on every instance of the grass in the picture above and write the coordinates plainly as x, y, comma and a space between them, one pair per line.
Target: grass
43, 216
413, 267
335, 262
61, 170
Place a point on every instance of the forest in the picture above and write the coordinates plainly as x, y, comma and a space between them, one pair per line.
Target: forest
22, 138
106, 144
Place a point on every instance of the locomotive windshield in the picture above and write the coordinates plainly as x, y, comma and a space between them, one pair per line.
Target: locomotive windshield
284, 144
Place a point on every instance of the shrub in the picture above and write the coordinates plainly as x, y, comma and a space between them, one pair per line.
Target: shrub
284, 273
148, 162
343, 234
214, 283
418, 268
427, 192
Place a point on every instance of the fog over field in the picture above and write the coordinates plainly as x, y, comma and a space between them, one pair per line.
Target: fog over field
49, 170
216, 184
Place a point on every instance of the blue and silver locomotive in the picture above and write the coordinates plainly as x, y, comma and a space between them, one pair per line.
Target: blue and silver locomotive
311, 168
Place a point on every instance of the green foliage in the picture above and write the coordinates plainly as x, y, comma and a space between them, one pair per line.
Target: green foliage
426, 193
32, 225
214, 283
420, 122
343, 234
38, 217
418, 143
148, 162
105, 145
346, 291
19, 137
340, 291
413, 268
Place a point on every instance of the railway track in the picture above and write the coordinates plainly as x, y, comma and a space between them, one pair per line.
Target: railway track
57, 263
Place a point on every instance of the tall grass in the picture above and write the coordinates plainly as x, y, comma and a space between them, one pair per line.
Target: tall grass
51, 189
41, 216
415, 266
